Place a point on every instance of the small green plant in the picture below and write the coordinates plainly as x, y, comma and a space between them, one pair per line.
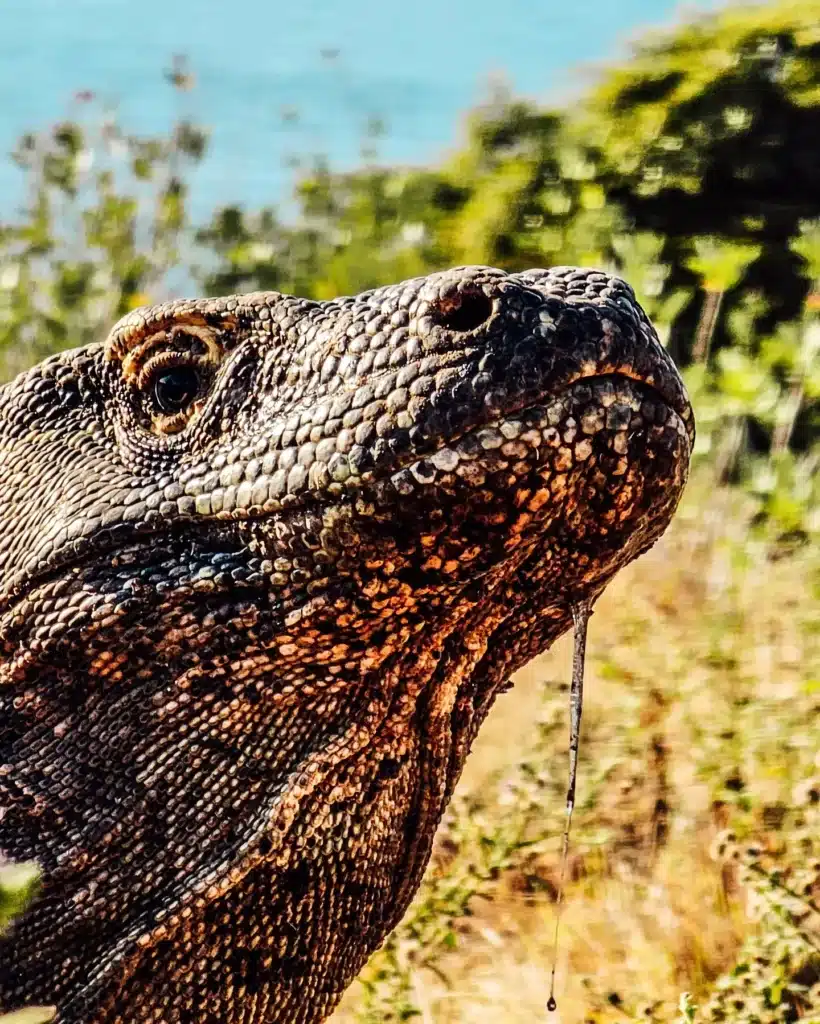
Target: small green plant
776, 979
18, 883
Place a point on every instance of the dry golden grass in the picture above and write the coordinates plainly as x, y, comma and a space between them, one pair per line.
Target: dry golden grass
702, 711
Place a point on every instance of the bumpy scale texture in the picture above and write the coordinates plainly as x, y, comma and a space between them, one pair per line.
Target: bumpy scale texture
265, 564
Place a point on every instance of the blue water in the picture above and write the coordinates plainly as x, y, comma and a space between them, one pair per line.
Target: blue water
417, 64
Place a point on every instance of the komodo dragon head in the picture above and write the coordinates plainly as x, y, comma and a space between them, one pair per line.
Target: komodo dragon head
265, 565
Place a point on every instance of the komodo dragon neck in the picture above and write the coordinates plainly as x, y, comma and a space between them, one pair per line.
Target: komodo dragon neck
265, 565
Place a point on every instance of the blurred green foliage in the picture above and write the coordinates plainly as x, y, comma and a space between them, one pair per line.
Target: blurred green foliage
18, 883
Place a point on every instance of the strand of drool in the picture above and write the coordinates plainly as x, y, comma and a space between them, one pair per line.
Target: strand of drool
580, 620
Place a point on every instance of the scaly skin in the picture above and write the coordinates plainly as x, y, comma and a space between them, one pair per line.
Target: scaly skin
265, 565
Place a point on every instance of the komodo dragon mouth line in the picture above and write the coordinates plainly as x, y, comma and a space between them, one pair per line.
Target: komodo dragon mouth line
266, 563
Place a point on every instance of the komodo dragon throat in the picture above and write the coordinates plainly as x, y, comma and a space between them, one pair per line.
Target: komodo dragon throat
265, 565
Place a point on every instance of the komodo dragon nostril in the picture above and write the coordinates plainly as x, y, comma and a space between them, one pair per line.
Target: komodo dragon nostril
464, 311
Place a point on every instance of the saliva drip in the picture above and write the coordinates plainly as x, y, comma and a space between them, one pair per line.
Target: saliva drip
580, 620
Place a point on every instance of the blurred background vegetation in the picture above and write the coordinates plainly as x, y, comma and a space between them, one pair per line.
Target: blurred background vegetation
692, 169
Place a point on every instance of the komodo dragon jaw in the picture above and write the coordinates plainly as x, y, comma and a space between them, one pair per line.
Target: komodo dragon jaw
265, 564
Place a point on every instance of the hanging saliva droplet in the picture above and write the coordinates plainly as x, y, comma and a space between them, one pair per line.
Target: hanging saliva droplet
580, 620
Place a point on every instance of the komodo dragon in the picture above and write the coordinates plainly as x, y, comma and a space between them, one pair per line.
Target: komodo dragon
265, 565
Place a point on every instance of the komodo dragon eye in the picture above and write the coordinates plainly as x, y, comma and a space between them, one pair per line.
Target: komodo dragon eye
172, 371
173, 390
173, 386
